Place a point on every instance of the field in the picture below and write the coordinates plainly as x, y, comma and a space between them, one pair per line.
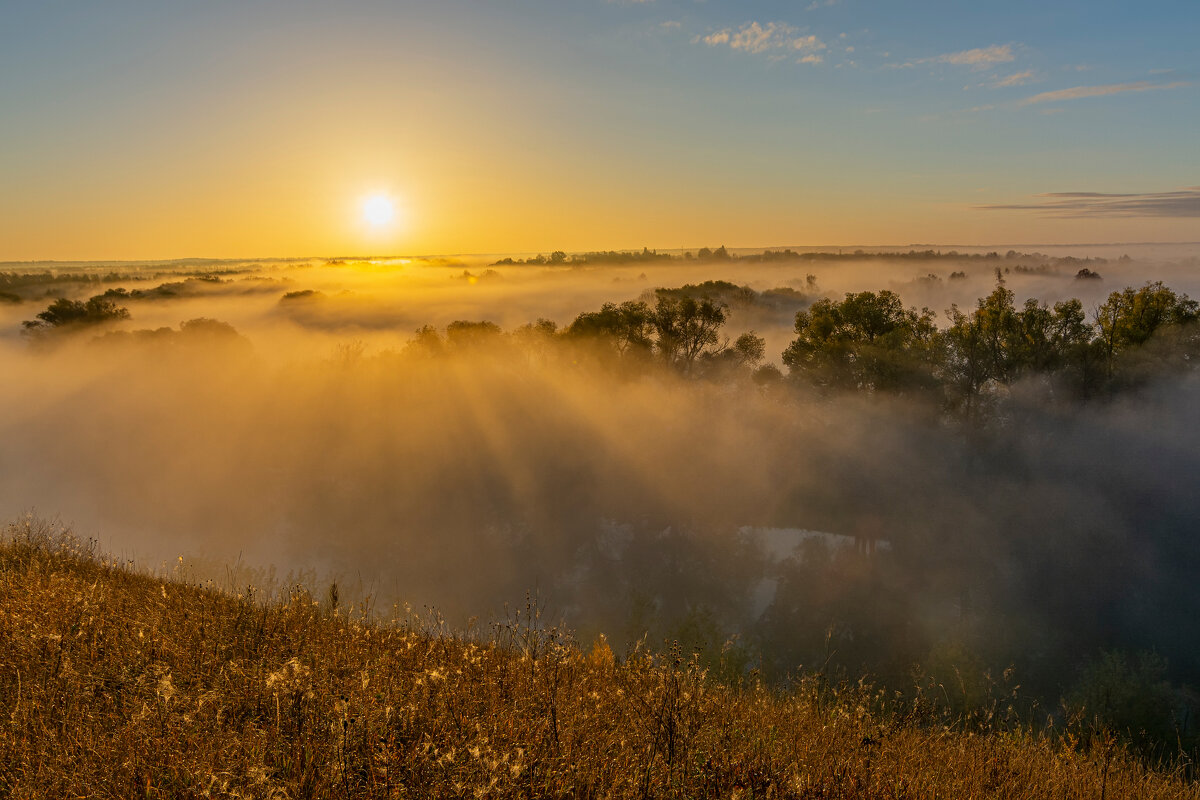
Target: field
120, 684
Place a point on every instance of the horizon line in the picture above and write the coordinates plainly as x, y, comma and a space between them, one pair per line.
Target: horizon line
378, 256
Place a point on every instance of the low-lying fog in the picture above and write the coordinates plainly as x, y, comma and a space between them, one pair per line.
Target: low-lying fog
316, 440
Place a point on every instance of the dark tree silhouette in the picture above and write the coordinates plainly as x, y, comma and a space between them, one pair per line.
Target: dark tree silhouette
687, 328
65, 314
627, 327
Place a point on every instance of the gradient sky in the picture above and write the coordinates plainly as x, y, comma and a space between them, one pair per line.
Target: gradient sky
248, 128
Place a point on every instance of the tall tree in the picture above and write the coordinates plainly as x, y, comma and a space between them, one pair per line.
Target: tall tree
627, 327
65, 314
686, 328
1129, 318
868, 340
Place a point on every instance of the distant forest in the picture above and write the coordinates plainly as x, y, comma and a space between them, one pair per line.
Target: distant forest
1044, 263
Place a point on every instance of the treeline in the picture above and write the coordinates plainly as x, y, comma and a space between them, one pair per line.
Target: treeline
867, 341
189, 286
64, 315
16, 287
683, 329
559, 258
19, 286
870, 342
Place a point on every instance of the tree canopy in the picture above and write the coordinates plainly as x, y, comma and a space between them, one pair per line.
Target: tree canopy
868, 340
64, 313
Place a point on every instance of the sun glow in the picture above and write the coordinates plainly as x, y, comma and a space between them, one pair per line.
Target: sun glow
378, 210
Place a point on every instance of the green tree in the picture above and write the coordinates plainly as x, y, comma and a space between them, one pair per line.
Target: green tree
542, 330
965, 360
686, 328
1000, 333
64, 314
998, 343
426, 341
1076, 357
462, 333
869, 340
627, 327
1128, 696
1129, 318
750, 349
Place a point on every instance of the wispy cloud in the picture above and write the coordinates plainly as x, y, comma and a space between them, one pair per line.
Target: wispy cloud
754, 37
1016, 79
1076, 92
1179, 203
815, 4
978, 58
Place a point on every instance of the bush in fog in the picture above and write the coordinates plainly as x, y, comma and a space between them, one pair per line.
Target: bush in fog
73, 314
1131, 696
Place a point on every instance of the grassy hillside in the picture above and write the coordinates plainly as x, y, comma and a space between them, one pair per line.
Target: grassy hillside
116, 684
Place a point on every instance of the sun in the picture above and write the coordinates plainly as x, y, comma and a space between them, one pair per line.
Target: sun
378, 210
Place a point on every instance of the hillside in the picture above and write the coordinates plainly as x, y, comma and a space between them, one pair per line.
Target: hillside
114, 683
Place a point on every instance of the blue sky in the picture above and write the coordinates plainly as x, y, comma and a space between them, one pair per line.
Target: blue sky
247, 128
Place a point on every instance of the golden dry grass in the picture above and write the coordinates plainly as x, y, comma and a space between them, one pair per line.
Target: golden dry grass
117, 684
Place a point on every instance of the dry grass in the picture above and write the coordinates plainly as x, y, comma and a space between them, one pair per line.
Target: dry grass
115, 684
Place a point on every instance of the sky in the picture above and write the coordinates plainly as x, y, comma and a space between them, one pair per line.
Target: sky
259, 128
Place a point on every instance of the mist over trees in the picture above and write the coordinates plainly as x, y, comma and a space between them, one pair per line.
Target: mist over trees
65, 314
869, 341
990, 491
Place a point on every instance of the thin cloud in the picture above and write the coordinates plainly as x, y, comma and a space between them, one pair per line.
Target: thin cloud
754, 37
1179, 203
976, 58
1076, 92
980, 57
1016, 79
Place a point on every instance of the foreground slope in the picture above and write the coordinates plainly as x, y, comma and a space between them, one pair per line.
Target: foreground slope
117, 684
